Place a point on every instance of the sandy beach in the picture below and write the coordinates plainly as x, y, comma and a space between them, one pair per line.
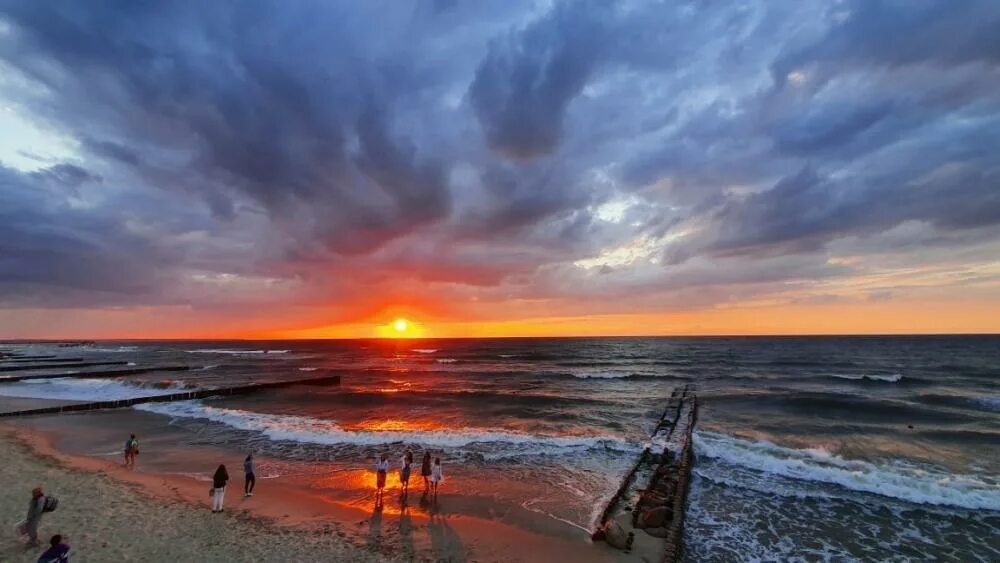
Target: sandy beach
109, 514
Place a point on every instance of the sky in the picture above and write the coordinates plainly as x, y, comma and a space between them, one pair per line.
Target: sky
316, 169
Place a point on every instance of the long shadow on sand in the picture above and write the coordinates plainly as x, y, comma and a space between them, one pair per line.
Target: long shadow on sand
445, 542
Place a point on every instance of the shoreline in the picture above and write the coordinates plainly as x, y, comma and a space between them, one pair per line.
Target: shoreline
288, 515
107, 512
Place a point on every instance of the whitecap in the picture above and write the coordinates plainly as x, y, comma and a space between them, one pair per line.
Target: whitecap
901, 480
327, 432
79, 389
892, 378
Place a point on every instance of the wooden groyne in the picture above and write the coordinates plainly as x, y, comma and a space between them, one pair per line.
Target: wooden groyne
675, 538
63, 365
39, 360
179, 396
94, 374
645, 516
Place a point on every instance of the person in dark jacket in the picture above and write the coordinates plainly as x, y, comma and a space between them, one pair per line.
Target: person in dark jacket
425, 469
251, 478
35, 510
58, 553
219, 481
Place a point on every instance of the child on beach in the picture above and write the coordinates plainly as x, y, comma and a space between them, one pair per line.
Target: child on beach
131, 450
381, 469
219, 481
425, 469
58, 553
36, 507
250, 477
404, 473
437, 475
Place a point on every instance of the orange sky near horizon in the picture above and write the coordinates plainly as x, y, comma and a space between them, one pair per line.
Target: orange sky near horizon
956, 315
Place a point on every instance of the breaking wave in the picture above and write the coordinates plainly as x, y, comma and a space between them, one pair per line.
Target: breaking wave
892, 378
327, 432
73, 389
907, 482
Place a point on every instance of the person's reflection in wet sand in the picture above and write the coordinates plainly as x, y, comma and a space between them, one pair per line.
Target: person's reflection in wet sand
445, 543
405, 526
375, 522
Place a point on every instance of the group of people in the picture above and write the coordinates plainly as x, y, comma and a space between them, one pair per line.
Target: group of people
58, 552
432, 473
430, 470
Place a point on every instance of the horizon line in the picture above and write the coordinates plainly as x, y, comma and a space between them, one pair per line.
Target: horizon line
506, 337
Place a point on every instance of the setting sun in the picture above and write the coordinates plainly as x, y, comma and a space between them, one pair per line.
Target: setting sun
400, 328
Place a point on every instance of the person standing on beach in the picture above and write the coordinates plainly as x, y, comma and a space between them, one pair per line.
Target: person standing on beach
437, 475
35, 510
381, 469
131, 450
404, 472
425, 469
219, 481
251, 478
58, 553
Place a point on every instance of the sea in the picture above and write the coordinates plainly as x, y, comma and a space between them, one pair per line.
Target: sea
873, 448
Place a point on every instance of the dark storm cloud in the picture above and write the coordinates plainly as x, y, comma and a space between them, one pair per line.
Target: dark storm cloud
527, 79
477, 143
50, 252
896, 33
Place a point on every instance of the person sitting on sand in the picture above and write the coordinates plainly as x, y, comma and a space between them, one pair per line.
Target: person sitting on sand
219, 481
35, 510
437, 475
131, 450
381, 469
250, 477
404, 472
58, 553
425, 469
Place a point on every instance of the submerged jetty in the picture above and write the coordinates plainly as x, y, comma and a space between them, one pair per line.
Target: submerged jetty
645, 516
105, 374
16, 362
74, 364
179, 396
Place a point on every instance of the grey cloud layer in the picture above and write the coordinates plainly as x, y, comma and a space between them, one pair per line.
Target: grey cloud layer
474, 144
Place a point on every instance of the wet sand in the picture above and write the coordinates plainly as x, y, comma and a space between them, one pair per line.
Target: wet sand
160, 511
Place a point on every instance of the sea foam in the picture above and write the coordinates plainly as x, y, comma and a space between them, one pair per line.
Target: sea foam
893, 378
327, 432
73, 389
908, 482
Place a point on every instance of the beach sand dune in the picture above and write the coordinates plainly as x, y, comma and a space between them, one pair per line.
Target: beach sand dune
104, 519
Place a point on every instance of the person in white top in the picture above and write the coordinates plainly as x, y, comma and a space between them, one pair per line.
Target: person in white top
381, 469
437, 475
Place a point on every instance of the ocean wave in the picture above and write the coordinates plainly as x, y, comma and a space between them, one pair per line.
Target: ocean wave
118, 350
308, 369
235, 352
446, 360
984, 403
507, 355
327, 432
73, 389
424, 350
892, 378
903, 481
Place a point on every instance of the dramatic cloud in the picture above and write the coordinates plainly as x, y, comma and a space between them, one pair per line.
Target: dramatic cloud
495, 160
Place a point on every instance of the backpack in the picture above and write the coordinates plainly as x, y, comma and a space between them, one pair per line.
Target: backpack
51, 503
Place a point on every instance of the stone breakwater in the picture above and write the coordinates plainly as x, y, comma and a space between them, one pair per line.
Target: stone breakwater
645, 516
